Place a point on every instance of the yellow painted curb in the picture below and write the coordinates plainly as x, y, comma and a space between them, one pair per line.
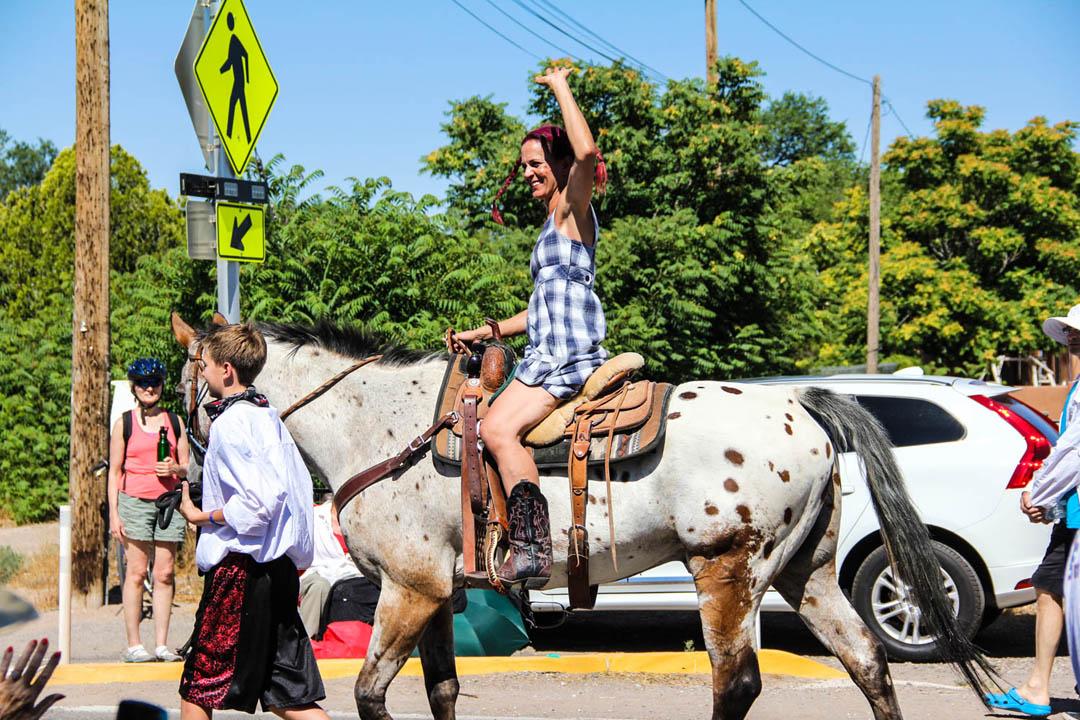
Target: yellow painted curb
771, 662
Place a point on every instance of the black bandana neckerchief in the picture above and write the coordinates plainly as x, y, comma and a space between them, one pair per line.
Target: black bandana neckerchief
215, 408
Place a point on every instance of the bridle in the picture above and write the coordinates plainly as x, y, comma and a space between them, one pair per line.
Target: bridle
197, 440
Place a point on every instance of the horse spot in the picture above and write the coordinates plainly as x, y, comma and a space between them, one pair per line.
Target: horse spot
592, 499
415, 382
830, 534
425, 537
733, 391
810, 600
397, 519
730, 485
784, 475
771, 466
813, 451
417, 486
688, 395
787, 516
408, 392
787, 429
671, 518
629, 557
744, 513
836, 478
790, 401
828, 449
389, 432
603, 501
734, 456
767, 551
674, 416
711, 509
788, 416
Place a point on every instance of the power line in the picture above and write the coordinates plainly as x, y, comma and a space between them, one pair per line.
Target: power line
529, 30
561, 31
824, 62
820, 59
862, 153
489, 27
554, 8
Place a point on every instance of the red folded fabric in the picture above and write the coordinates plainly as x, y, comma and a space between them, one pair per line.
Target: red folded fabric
343, 639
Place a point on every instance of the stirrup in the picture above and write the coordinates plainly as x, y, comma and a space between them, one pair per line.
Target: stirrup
491, 544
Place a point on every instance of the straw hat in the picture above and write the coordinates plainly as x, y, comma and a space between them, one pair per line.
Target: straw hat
1055, 327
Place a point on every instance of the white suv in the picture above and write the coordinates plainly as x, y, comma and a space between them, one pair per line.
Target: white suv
967, 450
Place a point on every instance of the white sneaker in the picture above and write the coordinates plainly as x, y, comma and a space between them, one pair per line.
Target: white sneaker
137, 654
164, 654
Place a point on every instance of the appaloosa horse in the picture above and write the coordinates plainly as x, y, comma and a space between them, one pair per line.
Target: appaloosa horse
745, 491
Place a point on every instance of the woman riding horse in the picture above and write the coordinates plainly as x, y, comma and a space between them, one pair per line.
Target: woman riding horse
564, 321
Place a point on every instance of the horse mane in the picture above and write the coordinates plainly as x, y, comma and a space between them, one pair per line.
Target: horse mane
354, 341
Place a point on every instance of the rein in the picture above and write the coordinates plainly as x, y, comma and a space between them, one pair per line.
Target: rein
195, 434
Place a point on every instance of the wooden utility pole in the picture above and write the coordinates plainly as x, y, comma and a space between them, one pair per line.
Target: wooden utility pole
90, 335
873, 310
710, 42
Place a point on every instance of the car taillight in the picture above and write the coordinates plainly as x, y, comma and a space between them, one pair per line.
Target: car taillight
1038, 447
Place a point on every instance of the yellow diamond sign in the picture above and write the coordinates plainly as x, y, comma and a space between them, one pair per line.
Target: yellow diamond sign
236, 81
241, 232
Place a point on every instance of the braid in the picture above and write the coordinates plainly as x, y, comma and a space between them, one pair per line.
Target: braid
495, 214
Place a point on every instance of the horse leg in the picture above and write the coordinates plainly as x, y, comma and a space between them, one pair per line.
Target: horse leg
437, 658
808, 583
727, 622
400, 618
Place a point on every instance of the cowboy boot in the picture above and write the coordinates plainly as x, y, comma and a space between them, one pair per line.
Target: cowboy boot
529, 558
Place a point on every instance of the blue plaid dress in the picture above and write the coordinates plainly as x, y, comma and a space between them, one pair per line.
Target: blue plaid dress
566, 321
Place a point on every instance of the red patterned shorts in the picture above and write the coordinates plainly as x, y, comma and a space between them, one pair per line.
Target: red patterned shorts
248, 611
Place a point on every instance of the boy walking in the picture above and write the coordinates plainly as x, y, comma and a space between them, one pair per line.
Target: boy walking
249, 642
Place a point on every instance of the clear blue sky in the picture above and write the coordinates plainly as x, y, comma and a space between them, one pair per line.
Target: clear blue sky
365, 85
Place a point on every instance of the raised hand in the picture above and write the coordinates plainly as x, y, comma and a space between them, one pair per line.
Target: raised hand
19, 690
553, 75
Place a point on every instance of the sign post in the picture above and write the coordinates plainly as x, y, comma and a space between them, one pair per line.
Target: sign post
221, 56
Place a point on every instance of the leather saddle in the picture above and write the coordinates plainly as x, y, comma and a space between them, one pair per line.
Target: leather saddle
611, 419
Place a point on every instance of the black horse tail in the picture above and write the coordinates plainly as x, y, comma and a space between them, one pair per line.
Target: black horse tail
852, 428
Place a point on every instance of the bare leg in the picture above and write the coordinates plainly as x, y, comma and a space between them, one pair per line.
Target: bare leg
437, 657
1049, 622
727, 621
164, 589
137, 553
191, 711
400, 618
517, 410
808, 584
306, 712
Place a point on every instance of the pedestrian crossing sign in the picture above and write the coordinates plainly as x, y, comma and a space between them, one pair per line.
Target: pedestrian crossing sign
236, 81
241, 232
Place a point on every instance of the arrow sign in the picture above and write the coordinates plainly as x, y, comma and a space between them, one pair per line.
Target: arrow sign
239, 230
189, 86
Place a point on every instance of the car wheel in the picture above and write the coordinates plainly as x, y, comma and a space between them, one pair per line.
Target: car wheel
883, 605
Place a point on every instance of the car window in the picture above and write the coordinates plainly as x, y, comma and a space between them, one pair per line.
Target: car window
912, 421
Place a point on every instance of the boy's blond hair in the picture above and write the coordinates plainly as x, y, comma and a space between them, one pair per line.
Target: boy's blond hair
240, 344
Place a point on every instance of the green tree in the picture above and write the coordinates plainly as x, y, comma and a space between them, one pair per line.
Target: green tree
36, 264
23, 164
979, 231
798, 127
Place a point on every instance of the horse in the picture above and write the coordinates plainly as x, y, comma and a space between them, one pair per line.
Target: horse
745, 491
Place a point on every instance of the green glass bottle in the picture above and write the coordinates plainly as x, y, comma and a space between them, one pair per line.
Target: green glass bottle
163, 449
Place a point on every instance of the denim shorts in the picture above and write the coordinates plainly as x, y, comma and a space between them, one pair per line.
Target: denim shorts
140, 521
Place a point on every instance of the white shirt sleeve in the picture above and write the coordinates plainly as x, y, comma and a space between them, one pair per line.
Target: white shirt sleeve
1061, 471
253, 491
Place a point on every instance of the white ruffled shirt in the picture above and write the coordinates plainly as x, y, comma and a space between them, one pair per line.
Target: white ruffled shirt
253, 472
330, 561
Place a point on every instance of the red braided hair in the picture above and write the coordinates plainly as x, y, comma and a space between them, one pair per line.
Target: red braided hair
556, 144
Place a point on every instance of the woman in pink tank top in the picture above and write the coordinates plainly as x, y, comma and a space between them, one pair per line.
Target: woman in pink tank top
136, 479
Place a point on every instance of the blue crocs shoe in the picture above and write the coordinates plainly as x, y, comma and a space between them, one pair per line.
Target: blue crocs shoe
1014, 701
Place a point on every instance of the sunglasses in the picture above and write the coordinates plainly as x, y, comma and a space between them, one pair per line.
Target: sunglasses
147, 383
